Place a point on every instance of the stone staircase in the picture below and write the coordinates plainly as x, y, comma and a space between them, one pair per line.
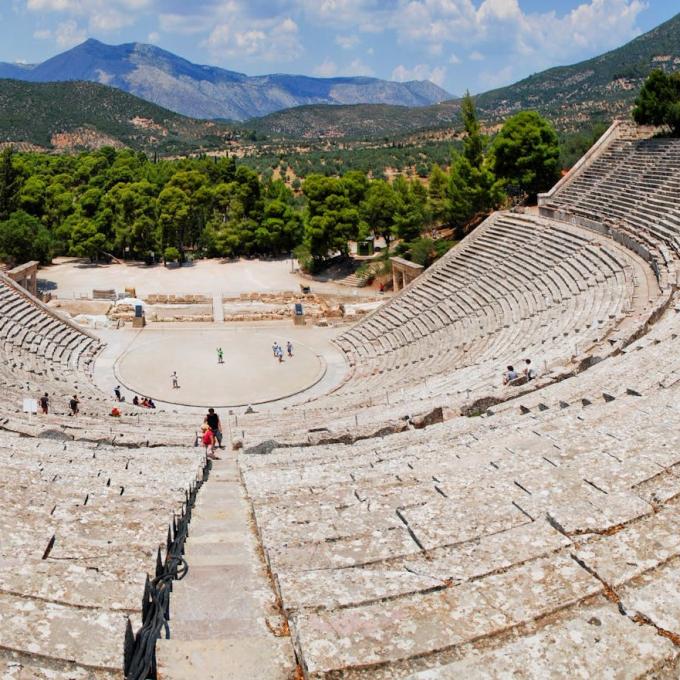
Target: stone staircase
226, 622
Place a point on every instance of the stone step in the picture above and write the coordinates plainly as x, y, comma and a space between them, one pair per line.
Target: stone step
238, 658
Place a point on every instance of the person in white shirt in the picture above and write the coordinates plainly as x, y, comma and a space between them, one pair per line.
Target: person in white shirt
529, 370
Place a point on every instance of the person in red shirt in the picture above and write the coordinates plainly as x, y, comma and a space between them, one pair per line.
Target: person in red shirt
209, 442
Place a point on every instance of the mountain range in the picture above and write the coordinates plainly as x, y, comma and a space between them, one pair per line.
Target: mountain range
210, 92
80, 114
572, 97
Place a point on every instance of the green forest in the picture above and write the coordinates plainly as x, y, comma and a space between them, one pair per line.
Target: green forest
121, 203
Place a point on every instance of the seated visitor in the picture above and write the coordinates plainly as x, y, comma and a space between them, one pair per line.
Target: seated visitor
509, 375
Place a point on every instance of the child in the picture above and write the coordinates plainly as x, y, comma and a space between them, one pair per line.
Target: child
209, 442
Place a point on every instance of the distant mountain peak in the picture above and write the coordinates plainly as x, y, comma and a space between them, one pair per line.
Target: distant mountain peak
204, 91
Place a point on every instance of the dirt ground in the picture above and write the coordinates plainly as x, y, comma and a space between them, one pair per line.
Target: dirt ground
76, 278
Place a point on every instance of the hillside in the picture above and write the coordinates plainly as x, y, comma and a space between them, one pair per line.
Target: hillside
360, 121
86, 115
210, 92
573, 97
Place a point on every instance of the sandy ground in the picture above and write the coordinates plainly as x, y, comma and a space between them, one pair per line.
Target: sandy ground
70, 277
144, 363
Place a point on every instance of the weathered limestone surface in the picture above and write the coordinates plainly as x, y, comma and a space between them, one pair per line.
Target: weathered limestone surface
611, 646
80, 525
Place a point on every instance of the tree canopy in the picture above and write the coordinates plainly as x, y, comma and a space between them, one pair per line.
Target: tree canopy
526, 153
659, 101
120, 203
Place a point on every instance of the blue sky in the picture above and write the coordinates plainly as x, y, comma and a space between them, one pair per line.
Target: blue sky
459, 44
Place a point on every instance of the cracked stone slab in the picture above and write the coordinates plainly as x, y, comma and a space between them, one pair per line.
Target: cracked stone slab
656, 595
16, 667
91, 638
638, 547
70, 584
443, 521
377, 545
410, 626
587, 642
330, 588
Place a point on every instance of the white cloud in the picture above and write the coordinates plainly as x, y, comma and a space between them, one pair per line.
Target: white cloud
274, 40
42, 34
347, 42
419, 72
153, 37
326, 69
358, 68
454, 59
343, 12
100, 15
493, 79
476, 55
68, 34
595, 25
183, 25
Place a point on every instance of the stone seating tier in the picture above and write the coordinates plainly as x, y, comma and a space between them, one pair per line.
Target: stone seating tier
81, 525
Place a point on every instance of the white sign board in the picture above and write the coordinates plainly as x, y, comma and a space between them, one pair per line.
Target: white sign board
30, 405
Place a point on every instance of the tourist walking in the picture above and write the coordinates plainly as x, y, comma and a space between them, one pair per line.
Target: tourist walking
220, 355
45, 403
212, 420
289, 347
116, 391
74, 405
175, 381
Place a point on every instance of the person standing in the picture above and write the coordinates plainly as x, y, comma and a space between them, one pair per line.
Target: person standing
116, 391
220, 355
74, 405
45, 403
289, 347
175, 381
529, 370
212, 420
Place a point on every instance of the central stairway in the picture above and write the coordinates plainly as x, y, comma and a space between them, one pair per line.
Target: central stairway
218, 308
224, 618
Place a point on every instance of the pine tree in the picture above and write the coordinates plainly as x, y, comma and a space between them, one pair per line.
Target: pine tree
9, 183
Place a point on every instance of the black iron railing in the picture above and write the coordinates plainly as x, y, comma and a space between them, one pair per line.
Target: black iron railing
140, 647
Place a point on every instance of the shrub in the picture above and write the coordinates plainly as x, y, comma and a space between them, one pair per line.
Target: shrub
171, 254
